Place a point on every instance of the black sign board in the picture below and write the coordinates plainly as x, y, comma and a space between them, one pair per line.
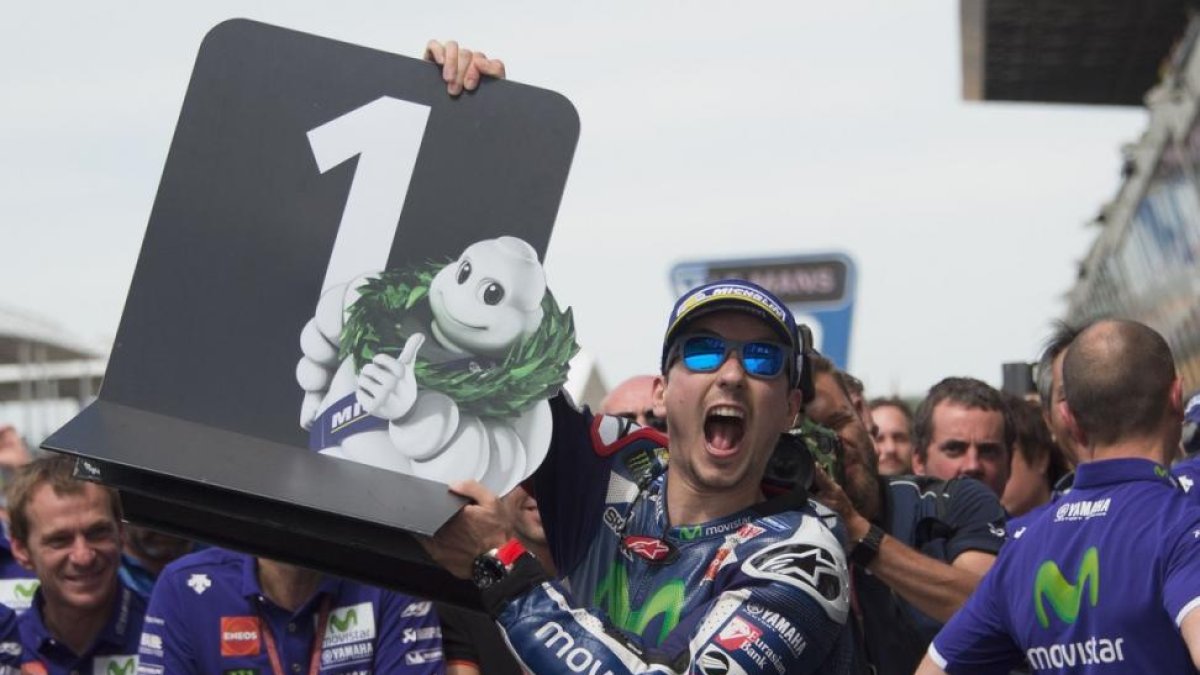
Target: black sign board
297, 162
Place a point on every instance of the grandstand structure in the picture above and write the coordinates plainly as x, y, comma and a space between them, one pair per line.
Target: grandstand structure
46, 374
1142, 263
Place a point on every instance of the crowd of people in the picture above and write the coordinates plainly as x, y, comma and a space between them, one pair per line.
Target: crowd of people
968, 535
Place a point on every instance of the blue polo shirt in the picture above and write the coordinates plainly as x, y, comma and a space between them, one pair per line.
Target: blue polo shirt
208, 615
17, 584
114, 650
1095, 582
10, 642
1187, 474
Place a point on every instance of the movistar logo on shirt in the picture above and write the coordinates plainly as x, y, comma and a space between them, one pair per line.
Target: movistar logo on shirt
1065, 598
1082, 653
115, 665
353, 623
17, 594
1066, 601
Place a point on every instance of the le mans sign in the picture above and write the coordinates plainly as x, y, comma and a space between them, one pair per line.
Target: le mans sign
818, 288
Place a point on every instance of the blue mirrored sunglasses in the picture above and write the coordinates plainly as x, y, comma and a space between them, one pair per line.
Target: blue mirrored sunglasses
706, 353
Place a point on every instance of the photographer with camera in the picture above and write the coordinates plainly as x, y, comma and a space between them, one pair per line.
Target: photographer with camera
917, 546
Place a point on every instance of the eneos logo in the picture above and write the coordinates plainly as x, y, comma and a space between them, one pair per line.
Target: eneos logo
240, 636
1065, 598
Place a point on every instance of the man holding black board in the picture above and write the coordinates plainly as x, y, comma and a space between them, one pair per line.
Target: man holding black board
678, 565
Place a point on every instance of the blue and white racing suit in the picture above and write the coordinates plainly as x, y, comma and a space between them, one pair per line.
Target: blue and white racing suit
761, 590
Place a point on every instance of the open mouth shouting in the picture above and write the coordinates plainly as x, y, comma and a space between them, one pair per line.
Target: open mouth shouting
724, 428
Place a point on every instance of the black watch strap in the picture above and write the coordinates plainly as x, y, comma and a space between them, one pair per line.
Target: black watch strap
867, 548
526, 573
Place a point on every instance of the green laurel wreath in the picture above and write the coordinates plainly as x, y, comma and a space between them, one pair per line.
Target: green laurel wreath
533, 369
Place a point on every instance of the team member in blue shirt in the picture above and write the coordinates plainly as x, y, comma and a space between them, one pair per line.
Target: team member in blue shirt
83, 620
16, 583
1106, 578
1187, 469
217, 611
10, 642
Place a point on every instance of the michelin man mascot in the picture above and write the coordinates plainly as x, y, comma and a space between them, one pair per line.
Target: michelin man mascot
442, 373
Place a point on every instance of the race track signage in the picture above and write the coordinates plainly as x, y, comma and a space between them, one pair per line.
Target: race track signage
339, 307
818, 288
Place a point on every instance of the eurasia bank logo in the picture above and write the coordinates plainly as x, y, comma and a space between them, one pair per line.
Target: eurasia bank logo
1065, 598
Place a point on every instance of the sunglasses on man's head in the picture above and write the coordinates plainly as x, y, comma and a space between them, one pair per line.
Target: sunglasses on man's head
706, 353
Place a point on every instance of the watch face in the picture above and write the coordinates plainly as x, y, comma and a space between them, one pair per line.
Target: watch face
486, 571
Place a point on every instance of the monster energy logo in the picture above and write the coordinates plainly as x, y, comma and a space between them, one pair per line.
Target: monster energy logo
25, 590
125, 667
343, 623
1066, 598
612, 595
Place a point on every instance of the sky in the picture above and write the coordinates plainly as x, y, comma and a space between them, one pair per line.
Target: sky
710, 130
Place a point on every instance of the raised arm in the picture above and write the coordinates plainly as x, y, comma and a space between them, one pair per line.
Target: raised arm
934, 587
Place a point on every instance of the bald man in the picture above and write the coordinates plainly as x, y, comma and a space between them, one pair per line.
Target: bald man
633, 400
1125, 518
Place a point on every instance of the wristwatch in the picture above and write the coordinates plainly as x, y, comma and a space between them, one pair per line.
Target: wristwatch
489, 568
867, 548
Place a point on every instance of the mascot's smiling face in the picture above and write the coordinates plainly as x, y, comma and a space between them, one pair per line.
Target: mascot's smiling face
489, 298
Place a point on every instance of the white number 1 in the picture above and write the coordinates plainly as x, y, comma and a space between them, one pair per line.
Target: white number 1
385, 135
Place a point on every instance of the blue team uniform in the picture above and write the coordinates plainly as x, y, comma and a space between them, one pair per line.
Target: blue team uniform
1097, 581
1187, 473
17, 584
114, 650
10, 642
761, 590
208, 615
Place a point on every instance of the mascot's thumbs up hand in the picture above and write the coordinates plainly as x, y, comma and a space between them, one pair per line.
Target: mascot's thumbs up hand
387, 386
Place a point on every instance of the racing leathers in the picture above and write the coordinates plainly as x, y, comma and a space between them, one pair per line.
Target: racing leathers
761, 590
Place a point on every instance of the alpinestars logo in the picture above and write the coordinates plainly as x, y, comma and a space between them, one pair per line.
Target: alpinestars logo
811, 566
1066, 598
652, 549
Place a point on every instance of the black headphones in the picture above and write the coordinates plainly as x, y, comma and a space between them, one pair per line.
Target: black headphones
805, 382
